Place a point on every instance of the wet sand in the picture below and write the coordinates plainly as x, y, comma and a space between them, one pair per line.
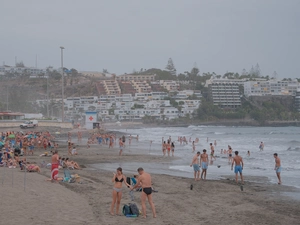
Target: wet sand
88, 202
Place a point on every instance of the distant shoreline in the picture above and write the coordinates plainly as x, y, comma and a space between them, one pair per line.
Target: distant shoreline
229, 123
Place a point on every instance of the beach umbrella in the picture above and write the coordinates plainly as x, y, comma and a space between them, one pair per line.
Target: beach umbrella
11, 136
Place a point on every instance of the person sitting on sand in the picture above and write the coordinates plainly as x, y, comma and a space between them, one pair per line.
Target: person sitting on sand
72, 164
74, 151
117, 179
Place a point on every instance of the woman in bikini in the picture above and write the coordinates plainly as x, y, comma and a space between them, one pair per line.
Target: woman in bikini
117, 179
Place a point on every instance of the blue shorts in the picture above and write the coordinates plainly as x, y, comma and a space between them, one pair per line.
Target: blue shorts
278, 169
196, 167
204, 165
238, 169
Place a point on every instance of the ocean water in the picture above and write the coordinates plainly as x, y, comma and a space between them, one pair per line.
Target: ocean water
283, 140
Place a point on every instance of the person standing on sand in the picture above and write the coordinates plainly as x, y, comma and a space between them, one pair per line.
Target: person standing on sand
194, 147
121, 145
172, 148
145, 180
277, 167
195, 164
239, 164
117, 179
212, 152
204, 163
164, 147
229, 155
54, 166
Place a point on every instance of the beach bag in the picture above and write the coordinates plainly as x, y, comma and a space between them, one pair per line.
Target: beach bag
134, 209
128, 180
126, 210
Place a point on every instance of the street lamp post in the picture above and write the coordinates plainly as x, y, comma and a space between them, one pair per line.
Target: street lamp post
62, 82
47, 95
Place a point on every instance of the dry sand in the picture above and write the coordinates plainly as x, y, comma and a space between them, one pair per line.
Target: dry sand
88, 202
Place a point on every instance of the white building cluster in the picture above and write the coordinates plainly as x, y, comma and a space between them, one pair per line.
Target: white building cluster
21, 70
129, 107
227, 92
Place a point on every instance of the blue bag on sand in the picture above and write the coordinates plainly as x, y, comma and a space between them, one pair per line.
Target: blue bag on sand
134, 209
126, 210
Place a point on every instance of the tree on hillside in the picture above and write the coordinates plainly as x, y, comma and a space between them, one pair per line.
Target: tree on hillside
255, 71
160, 74
20, 64
170, 67
244, 73
194, 72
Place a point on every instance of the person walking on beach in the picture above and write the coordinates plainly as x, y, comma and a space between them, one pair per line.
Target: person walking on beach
117, 179
204, 163
145, 180
212, 152
239, 164
195, 164
194, 147
121, 145
229, 154
277, 167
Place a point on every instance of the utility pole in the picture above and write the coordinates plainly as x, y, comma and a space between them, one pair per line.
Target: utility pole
62, 82
47, 95
6, 98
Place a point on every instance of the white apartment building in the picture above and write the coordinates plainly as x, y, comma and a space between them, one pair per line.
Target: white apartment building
225, 94
143, 96
188, 106
136, 77
124, 98
20, 70
169, 113
271, 87
225, 80
135, 114
159, 95
107, 98
157, 103
170, 85
116, 98
124, 105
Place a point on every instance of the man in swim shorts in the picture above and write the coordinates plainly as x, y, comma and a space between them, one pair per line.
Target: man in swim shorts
204, 163
277, 167
239, 164
195, 164
145, 180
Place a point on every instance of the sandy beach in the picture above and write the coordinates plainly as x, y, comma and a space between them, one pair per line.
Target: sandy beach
88, 202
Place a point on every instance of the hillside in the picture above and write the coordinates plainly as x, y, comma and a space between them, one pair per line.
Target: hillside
22, 89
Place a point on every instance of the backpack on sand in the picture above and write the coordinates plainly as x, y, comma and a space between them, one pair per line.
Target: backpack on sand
134, 209
126, 210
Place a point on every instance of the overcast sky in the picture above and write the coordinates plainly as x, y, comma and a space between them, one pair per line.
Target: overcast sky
122, 35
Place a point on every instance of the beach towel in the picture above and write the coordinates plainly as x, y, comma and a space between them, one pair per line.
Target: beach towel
54, 171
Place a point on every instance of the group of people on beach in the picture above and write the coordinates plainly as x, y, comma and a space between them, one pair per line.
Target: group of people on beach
201, 161
143, 181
